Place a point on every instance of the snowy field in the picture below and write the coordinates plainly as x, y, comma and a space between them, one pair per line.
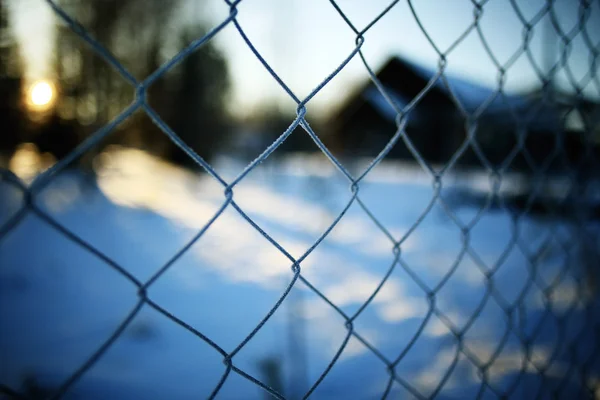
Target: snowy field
59, 302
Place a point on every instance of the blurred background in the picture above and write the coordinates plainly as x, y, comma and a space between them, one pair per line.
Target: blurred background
57, 89
510, 121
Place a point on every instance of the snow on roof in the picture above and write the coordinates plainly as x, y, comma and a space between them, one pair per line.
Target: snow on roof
380, 103
471, 96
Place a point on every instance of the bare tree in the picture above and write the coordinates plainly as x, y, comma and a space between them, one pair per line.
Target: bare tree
139, 33
11, 113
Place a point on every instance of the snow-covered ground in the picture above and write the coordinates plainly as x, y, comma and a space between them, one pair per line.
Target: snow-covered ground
59, 302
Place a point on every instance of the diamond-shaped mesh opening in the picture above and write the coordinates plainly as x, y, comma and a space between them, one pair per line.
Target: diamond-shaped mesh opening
37, 295
158, 342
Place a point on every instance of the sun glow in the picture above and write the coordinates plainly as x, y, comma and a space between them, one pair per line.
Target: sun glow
41, 95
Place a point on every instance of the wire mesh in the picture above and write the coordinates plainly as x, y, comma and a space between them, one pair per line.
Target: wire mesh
580, 370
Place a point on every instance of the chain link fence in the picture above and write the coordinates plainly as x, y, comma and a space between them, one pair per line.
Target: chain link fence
571, 231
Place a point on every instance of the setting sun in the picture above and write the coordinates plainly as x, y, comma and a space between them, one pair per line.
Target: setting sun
41, 95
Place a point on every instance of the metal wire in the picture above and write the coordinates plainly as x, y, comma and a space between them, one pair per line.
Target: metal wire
514, 317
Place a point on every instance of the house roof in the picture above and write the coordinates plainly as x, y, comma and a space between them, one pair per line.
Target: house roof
469, 94
404, 80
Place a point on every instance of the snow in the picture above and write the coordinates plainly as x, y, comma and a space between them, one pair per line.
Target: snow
471, 95
502, 107
380, 103
58, 302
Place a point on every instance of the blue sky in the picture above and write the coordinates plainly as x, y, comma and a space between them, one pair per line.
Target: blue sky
305, 40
